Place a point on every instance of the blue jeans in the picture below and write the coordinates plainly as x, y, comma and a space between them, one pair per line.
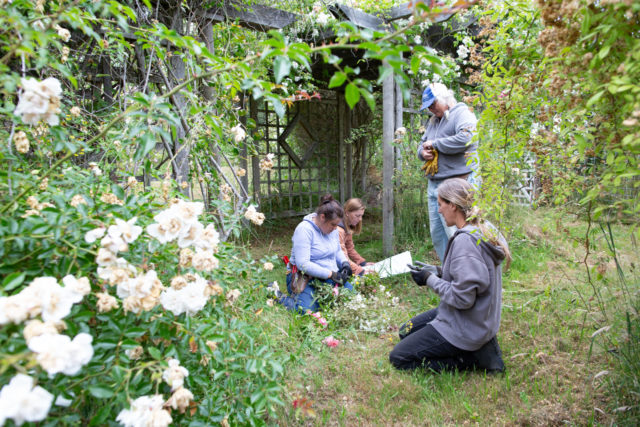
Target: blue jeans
305, 300
440, 233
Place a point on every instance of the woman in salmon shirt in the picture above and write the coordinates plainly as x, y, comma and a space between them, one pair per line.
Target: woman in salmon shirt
352, 224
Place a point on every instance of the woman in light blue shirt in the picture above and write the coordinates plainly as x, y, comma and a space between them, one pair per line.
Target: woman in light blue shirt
316, 256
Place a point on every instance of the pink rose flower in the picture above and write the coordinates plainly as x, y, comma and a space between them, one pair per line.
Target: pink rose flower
330, 341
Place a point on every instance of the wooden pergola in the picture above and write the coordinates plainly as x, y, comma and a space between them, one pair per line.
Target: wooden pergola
298, 177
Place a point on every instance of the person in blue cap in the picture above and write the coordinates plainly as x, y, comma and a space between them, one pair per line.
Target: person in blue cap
447, 151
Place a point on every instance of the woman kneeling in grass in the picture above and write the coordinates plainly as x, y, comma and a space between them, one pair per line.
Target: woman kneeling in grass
316, 256
461, 332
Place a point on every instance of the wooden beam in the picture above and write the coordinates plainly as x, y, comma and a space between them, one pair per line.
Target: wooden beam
255, 161
282, 140
358, 17
388, 119
407, 9
254, 16
342, 106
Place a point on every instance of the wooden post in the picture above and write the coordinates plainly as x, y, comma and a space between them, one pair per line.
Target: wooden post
255, 161
342, 106
388, 119
398, 124
349, 154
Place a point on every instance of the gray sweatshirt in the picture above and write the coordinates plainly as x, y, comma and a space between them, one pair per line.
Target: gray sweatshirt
450, 137
470, 290
313, 252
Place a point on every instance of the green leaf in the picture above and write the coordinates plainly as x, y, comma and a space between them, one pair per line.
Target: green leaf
118, 191
12, 281
100, 391
155, 353
281, 67
352, 95
337, 79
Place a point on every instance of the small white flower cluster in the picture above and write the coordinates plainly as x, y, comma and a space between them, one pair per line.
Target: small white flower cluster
20, 401
253, 215
266, 164
21, 142
140, 292
368, 314
145, 411
149, 410
188, 297
39, 101
43, 297
238, 133
55, 353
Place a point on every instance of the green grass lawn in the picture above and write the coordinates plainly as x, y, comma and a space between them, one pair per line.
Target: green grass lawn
550, 310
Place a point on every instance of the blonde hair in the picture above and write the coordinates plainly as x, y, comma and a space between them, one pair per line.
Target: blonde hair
459, 192
352, 205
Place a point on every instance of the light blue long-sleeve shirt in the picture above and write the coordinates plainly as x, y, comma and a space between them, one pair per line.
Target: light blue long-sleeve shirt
313, 252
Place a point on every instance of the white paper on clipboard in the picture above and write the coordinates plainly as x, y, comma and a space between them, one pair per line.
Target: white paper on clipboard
396, 264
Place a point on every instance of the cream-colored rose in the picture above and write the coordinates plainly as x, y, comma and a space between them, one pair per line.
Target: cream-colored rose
21, 142
134, 353
267, 266
36, 328
131, 304
180, 399
106, 302
43, 184
213, 289
76, 200
212, 345
178, 282
186, 255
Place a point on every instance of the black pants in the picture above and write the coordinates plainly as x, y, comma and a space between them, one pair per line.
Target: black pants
422, 346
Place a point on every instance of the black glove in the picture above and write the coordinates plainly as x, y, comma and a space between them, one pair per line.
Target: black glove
345, 270
437, 271
336, 277
420, 273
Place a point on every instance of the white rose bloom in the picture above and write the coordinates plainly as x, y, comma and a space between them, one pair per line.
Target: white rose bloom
116, 272
189, 299
39, 101
322, 18
63, 33
253, 215
126, 230
77, 287
204, 260
21, 401
190, 234
145, 411
139, 287
174, 375
105, 257
53, 299
188, 212
167, 227
209, 238
238, 133
58, 353
95, 234
180, 399
114, 242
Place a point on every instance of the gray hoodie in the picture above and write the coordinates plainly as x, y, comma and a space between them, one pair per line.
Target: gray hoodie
470, 290
450, 137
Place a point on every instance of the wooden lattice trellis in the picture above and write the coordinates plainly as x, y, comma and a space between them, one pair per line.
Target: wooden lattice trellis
308, 143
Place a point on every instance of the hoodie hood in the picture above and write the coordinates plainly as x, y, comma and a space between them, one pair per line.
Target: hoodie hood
494, 251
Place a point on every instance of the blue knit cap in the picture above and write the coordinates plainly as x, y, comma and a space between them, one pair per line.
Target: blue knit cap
427, 98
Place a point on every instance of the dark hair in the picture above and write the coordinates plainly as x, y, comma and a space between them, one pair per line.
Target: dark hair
329, 208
